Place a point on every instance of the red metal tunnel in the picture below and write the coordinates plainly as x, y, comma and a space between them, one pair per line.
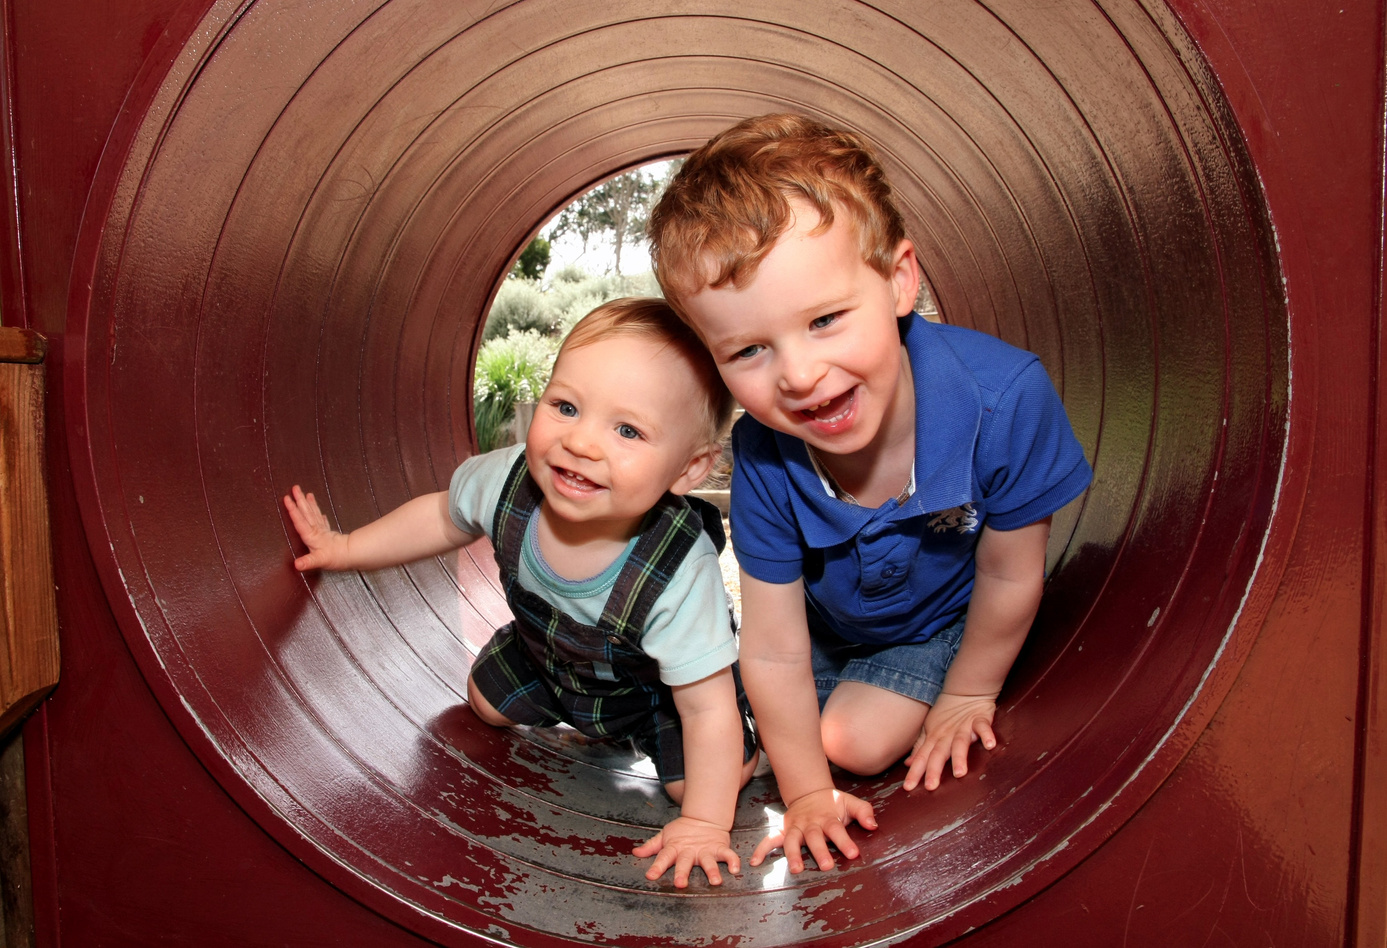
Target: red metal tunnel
285, 250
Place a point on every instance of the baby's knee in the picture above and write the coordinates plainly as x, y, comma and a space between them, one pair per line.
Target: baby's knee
483, 709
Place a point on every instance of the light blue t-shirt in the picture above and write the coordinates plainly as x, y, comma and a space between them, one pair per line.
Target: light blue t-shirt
687, 631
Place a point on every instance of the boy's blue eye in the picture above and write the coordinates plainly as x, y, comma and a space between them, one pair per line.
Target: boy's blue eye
746, 353
567, 409
626, 431
823, 322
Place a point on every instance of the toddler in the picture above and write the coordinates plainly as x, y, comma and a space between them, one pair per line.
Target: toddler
621, 623
893, 480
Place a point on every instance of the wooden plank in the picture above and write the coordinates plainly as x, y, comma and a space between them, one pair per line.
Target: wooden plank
21, 345
28, 614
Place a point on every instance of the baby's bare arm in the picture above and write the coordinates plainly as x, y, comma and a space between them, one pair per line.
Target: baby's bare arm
419, 528
1006, 593
701, 836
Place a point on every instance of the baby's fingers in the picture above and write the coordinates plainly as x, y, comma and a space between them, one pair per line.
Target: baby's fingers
709, 861
650, 847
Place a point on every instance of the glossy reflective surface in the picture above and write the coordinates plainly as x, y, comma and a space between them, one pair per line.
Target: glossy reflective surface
290, 240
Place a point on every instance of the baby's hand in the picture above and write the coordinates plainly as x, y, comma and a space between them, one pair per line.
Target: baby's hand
815, 820
326, 547
952, 725
685, 842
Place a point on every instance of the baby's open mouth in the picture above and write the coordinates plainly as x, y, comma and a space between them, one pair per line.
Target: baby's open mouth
575, 480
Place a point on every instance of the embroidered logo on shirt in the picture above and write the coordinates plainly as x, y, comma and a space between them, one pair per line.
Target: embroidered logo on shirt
961, 519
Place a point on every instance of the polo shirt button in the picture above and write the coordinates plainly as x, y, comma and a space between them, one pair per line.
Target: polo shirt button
888, 572
614, 639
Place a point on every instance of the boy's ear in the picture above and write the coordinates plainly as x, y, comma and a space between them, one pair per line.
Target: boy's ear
905, 277
700, 463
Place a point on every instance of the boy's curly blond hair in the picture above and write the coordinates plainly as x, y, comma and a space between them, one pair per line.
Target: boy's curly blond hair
730, 201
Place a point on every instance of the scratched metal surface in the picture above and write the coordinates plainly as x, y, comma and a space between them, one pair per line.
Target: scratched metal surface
308, 210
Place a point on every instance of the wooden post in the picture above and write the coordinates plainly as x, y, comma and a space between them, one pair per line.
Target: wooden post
28, 608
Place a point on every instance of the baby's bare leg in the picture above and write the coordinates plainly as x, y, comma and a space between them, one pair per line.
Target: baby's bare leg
866, 729
483, 709
675, 788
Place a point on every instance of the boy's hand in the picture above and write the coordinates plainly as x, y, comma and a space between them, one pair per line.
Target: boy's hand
951, 726
326, 547
686, 842
815, 820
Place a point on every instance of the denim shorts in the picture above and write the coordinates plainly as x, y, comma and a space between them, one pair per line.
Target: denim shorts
915, 670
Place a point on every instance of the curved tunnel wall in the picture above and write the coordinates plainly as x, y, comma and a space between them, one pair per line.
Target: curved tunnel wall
309, 219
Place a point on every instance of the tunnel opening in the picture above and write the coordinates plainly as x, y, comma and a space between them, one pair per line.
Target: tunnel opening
284, 282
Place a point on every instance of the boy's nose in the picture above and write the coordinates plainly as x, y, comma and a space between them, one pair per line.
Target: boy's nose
800, 376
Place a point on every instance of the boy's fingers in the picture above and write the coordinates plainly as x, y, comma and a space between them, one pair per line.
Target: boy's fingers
818, 848
934, 767
987, 735
794, 842
734, 862
841, 839
915, 771
961, 744
765, 847
861, 811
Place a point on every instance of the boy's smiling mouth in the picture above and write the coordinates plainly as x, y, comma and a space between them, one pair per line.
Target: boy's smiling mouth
832, 412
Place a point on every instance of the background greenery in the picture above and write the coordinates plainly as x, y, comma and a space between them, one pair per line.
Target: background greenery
535, 308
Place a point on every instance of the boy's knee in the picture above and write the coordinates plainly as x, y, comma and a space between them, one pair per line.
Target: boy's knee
483, 709
856, 749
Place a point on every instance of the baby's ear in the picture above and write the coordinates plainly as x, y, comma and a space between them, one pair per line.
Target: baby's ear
696, 471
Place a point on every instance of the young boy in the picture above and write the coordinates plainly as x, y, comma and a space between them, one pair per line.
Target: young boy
621, 623
894, 480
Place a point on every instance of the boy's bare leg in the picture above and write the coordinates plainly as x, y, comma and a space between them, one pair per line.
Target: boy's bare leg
867, 729
483, 709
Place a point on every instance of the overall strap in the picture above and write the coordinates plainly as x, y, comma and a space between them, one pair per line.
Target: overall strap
519, 497
662, 546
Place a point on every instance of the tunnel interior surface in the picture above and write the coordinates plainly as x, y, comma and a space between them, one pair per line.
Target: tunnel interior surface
296, 230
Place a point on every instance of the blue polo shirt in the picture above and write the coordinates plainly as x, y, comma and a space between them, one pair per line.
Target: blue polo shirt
992, 446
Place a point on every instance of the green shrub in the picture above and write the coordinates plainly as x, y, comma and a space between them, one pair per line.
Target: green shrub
522, 335
511, 369
520, 305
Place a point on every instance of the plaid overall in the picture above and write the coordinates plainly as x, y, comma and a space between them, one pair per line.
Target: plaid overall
546, 667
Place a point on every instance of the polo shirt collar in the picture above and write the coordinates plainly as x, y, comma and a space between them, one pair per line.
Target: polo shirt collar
948, 405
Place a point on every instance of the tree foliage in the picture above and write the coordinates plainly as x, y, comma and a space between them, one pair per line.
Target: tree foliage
619, 208
533, 260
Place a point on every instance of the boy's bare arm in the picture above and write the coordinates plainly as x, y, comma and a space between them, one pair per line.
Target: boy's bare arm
701, 836
419, 528
1006, 593
779, 678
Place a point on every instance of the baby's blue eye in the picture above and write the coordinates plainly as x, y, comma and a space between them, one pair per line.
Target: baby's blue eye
567, 409
626, 431
823, 322
747, 353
